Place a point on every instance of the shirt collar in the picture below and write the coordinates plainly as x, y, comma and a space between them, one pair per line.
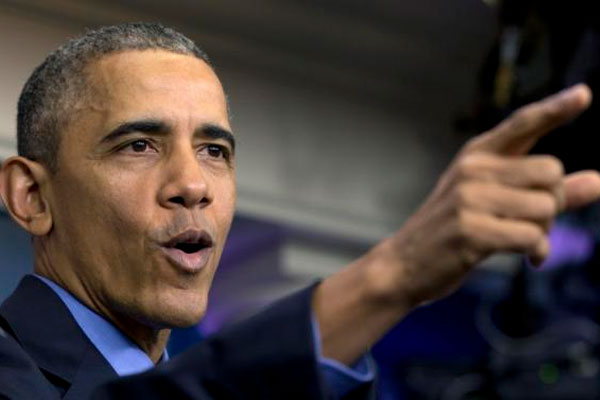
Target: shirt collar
122, 354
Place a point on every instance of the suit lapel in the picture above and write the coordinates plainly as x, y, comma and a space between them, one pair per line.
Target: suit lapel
48, 333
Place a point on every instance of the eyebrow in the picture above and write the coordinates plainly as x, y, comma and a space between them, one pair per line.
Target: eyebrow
153, 126
145, 126
212, 131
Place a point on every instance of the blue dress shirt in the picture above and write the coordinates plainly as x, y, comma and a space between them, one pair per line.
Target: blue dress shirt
127, 358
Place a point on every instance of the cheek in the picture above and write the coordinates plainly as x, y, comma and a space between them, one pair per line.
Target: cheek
225, 207
105, 207
126, 199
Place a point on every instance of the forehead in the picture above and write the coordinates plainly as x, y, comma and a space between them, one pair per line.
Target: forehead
155, 82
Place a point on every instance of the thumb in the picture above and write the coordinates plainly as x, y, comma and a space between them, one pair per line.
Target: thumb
581, 188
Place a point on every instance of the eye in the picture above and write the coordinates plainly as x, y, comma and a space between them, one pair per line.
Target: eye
216, 151
138, 146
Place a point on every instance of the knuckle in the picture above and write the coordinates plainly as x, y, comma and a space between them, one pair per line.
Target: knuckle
521, 119
464, 224
473, 144
552, 168
532, 235
468, 166
463, 195
548, 206
548, 111
469, 231
541, 111
463, 167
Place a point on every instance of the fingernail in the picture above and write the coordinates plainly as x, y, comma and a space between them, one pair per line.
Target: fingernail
579, 93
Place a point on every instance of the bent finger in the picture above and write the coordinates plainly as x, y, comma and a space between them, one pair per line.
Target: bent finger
534, 205
492, 234
535, 171
581, 188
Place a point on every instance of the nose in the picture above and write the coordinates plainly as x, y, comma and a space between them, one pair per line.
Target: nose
185, 183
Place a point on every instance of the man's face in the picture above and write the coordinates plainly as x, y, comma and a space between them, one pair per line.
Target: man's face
145, 189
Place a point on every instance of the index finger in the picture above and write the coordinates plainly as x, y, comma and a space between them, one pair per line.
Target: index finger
517, 134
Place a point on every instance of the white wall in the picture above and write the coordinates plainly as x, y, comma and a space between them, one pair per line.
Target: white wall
314, 151
314, 158
23, 44
308, 155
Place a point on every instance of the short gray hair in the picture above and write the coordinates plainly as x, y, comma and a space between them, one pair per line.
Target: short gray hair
59, 82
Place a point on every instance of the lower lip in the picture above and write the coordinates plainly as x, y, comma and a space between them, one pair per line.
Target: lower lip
188, 262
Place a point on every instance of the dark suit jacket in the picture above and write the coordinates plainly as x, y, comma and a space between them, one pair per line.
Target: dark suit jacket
18, 371
270, 356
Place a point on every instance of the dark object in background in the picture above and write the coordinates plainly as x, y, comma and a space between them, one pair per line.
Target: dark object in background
542, 46
549, 349
488, 352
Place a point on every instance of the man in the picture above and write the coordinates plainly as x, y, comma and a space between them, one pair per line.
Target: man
125, 180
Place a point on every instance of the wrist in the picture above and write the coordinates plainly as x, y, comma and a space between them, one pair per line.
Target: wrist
387, 277
358, 305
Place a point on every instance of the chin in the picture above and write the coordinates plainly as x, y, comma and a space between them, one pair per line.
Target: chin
181, 312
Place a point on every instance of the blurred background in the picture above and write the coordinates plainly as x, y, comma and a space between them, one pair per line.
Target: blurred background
346, 111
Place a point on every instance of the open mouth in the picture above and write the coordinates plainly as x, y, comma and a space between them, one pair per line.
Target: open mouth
190, 250
190, 241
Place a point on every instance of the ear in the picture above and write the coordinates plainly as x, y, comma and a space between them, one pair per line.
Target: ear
21, 181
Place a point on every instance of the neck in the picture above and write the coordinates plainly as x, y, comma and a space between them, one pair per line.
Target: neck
150, 339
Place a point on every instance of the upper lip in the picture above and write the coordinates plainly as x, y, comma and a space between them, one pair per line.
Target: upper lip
192, 236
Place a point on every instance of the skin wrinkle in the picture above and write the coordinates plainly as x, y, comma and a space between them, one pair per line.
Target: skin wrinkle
113, 208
